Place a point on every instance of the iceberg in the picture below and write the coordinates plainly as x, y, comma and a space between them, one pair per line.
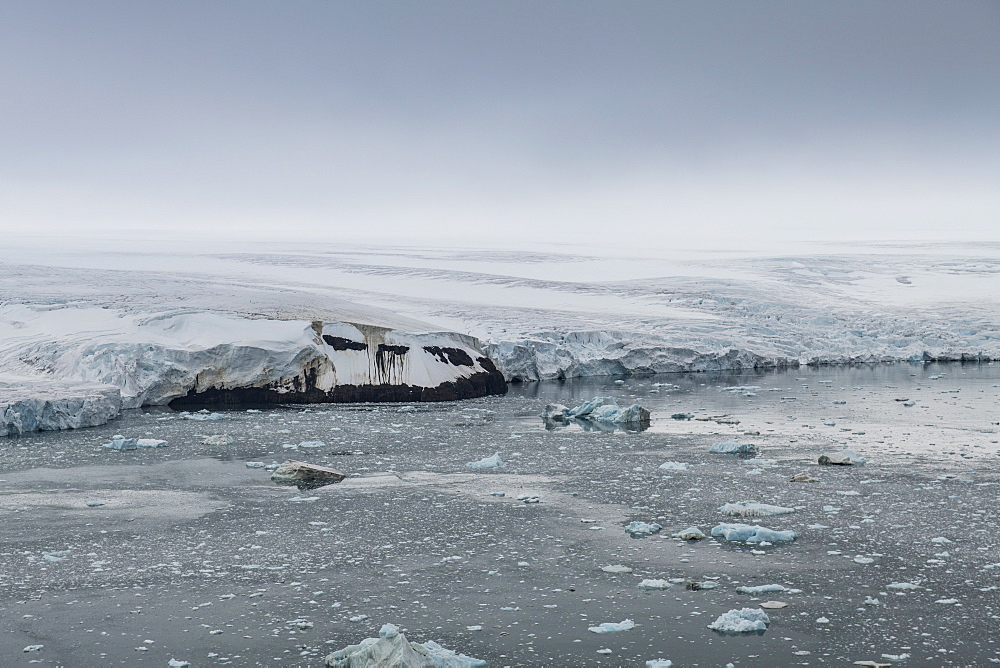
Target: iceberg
746, 533
392, 649
597, 410
746, 620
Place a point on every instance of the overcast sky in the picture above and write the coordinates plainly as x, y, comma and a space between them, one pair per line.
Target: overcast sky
652, 123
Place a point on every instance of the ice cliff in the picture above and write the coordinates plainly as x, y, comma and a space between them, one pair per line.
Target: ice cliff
76, 365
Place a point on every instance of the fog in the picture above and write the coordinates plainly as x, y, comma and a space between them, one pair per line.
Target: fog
651, 124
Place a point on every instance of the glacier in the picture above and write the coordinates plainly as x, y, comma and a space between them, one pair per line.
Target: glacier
66, 366
248, 323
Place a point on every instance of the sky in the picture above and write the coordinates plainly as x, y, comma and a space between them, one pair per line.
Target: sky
516, 123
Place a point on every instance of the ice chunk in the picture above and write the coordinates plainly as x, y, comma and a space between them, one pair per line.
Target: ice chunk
674, 466
659, 663
392, 649
612, 627
753, 509
761, 589
304, 475
691, 533
605, 409
150, 443
177, 663
119, 442
733, 448
490, 462
746, 620
616, 568
217, 439
33, 648
655, 584
746, 533
588, 407
203, 415
642, 529
842, 458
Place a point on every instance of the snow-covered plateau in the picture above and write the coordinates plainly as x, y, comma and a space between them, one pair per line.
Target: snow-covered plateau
244, 323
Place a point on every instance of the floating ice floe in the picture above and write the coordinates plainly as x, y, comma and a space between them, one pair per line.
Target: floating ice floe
616, 568
119, 442
674, 466
642, 529
217, 439
392, 648
753, 509
747, 620
490, 462
903, 586
766, 589
842, 458
612, 627
659, 663
655, 584
691, 533
803, 477
746, 533
733, 448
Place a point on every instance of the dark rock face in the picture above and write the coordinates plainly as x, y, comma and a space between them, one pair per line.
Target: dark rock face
479, 384
340, 343
455, 356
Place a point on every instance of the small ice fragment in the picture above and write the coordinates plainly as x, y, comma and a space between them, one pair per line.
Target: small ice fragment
177, 663
822, 620
119, 442
902, 585
490, 462
941, 540
255, 465
654, 584
217, 439
32, 648
761, 589
753, 509
691, 533
733, 448
303, 499
659, 663
773, 605
642, 529
612, 627
674, 466
842, 458
616, 568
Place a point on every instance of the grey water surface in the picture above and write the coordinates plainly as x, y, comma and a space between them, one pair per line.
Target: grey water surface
133, 558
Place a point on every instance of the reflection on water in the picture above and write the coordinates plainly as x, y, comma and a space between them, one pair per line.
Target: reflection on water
595, 425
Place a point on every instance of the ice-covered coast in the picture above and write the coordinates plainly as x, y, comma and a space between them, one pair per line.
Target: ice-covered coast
251, 324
